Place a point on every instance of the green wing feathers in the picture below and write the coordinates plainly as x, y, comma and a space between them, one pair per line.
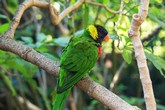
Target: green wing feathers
77, 60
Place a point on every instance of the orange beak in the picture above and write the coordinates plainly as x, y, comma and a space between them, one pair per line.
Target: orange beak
106, 38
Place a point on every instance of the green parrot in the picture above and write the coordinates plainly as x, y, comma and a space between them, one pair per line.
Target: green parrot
77, 59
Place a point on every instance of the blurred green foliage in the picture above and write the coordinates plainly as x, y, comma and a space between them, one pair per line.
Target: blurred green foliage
21, 78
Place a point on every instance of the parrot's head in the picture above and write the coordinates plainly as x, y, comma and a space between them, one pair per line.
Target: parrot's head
98, 33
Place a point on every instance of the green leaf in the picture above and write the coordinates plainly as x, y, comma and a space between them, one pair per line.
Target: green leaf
157, 62
126, 1
32, 82
127, 39
160, 107
27, 31
80, 32
157, 15
5, 17
38, 44
4, 27
159, 1
127, 55
12, 5
62, 41
46, 101
2, 56
86, 16
25, 68
28, 69
105, 1
132, 100
113, 36
8, 82
27, 40
41, 37
51, 56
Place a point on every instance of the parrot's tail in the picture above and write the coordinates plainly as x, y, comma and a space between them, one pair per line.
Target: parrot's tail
60, 100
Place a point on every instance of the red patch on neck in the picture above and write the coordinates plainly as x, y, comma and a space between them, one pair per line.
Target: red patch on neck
99, 52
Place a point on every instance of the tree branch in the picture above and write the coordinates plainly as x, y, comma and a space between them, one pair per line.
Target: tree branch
133, 33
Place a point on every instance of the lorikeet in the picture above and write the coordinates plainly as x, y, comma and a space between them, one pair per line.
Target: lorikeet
78, 58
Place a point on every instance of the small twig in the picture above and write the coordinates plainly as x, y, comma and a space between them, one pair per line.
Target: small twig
4, 12
29, 104
63, 29
152, 34
118, 21
109, 19
70, 9
118, 36
117, 76
21, 91
97, 14
4, 4
130, 9
26, 23
71, 102
102, 5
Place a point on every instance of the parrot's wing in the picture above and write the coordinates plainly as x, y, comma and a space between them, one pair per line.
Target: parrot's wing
77, 60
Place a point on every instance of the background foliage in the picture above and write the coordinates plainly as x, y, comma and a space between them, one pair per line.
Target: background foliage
20, 78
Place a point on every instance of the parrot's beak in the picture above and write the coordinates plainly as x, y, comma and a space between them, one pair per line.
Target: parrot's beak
106, 38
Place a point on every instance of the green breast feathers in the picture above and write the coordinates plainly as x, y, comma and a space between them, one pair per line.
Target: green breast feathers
77, 60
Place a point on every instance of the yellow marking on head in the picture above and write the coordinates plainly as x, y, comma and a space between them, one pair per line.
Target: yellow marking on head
93, 31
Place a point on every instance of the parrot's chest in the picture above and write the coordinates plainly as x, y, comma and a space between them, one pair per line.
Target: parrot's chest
99, 52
